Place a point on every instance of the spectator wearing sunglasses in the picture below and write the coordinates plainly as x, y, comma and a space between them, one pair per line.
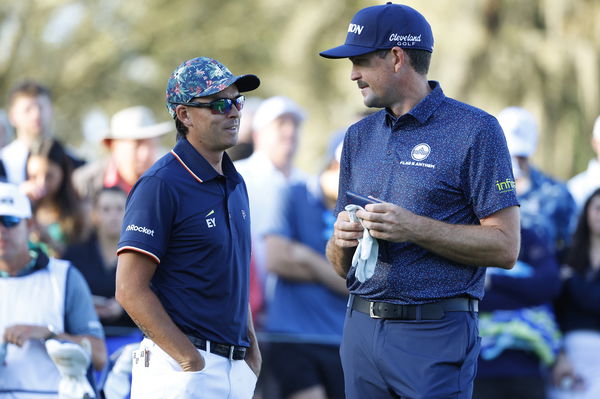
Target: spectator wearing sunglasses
133, 143
442, 172
41, 298
184, 252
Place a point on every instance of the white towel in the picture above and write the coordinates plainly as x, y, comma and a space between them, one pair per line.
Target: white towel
72, 360
367, 251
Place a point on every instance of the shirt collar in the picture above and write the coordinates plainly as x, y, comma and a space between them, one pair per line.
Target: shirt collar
199, 167
423, 110
39, 260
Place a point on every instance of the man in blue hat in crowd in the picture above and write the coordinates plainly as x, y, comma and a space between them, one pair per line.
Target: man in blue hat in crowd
441, 207
184, 253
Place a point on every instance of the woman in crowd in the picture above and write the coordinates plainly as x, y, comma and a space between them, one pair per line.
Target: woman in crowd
57, 209
577, 373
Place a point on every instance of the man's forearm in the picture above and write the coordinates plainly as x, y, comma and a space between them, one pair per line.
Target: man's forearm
296, 261
149, 315
340, 257
476, 245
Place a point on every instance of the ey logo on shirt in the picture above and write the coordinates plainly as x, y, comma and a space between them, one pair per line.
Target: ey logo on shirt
210, 222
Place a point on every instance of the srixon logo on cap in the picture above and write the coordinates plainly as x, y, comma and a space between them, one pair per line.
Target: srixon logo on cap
354, 28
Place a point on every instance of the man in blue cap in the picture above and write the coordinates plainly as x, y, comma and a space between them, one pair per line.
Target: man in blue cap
439, 174
184, 252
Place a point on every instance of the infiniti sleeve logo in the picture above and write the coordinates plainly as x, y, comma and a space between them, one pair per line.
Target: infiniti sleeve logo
420, 152
145, 230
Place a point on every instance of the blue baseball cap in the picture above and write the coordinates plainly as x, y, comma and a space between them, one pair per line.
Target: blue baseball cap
382, 27
201, 77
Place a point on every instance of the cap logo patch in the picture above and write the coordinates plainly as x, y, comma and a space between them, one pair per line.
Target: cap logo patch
7, 200
354, 28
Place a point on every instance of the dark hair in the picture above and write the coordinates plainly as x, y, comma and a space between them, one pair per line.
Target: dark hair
182, 129
28, 88
579, 253
69, 204
419, 59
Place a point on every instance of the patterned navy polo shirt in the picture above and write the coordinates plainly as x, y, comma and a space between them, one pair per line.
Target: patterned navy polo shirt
445, 160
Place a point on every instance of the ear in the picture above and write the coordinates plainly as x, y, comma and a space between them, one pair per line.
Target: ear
182, 113
399, 57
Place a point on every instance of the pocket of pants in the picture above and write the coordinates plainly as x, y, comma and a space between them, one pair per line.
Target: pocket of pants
250, 369
161, 360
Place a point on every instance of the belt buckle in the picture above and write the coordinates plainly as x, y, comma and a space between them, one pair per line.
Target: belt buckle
231, 349
373, 315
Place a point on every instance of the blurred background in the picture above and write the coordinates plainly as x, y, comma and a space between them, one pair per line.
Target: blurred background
101, 56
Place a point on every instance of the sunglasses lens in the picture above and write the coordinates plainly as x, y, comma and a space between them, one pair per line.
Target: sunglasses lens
239, 102
222, 106
9, 221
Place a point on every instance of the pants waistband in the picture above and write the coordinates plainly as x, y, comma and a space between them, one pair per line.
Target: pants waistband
428, 311
229, 351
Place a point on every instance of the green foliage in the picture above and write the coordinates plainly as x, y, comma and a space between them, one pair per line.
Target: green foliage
539, 54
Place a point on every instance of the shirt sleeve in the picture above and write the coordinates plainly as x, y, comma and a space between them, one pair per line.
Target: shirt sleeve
80, 315
487, 172
148, 219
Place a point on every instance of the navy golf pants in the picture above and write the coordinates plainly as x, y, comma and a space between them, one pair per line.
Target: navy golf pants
432, 359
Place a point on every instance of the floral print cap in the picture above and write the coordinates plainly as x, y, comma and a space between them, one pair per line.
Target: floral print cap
201, 77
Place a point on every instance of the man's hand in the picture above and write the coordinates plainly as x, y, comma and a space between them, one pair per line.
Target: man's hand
194, 363
20, 333
387, 221
254, 358
345, 232
342, 244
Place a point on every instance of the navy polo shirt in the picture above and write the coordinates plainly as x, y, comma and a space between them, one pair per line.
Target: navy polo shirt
443, 159
195, 224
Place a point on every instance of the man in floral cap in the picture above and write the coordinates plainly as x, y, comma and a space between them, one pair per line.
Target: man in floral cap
184, 253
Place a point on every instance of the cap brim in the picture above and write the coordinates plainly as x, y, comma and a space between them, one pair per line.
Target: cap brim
247, 82
345, 51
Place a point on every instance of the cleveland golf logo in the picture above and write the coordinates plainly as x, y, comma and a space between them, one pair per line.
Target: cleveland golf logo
145, 230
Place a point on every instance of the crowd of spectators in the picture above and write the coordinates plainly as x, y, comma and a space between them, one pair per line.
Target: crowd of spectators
540, 321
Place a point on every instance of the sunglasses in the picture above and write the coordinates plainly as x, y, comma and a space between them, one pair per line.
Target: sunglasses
219, 107
9, 221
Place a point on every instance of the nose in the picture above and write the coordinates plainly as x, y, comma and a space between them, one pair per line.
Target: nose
234, 112
354, 74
